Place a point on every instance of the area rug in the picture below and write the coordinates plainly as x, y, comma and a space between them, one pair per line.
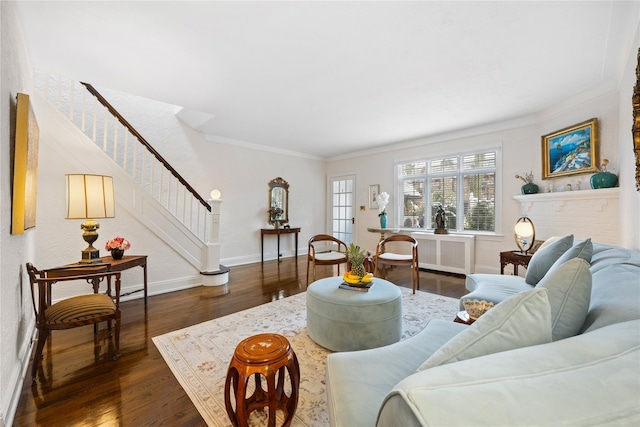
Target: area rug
199, 355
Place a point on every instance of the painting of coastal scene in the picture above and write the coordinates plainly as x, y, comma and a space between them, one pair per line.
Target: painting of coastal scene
571, 150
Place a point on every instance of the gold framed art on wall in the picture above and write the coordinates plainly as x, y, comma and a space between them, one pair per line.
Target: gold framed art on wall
572, 150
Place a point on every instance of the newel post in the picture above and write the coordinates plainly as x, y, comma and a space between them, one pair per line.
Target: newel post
213, 273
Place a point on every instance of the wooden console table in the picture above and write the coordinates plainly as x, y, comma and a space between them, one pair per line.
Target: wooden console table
516, 258
278, 232
127, 262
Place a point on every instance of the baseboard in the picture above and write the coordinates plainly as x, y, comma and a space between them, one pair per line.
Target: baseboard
19, 383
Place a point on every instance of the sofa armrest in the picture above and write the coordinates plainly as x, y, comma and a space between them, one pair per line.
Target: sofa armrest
589, 379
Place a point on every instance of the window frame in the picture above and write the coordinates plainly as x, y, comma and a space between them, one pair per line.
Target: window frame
459, 175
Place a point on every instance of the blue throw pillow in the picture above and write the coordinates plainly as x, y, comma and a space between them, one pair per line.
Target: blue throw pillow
545, 257
582, 250
569, 286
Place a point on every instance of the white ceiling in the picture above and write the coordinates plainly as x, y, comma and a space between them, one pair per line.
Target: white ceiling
328, 78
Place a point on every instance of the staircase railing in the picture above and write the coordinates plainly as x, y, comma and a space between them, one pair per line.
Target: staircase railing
108, 129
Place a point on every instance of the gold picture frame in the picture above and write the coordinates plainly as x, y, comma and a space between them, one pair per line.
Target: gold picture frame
25, 167
572, 150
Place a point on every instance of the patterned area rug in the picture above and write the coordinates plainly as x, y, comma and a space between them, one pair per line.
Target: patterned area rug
199, 355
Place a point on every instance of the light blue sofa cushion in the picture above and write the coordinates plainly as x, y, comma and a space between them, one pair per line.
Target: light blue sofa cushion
588, 380
545, 257
583, 250
519, 321
358, 381
493, 287
569, 288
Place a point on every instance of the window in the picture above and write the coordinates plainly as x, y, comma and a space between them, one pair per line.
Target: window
464, 184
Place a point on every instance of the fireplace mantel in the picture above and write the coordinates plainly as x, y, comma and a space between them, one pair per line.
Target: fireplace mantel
584, 213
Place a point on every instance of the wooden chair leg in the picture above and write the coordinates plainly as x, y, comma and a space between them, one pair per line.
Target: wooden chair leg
37, 356
117, 338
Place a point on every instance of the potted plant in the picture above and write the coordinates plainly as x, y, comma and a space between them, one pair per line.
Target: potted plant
117, 246
528, 187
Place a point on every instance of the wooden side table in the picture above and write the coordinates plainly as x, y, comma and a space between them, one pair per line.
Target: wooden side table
277, 232
125, 263
516, 258
463, 317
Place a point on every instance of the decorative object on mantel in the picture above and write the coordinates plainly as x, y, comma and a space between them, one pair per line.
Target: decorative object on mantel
441, 221
117, 246
572, 150
524, 233
382, 199
635, 130
528, 187
603, 179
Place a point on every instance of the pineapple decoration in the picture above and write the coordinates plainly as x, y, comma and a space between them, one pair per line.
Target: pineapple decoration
357, 275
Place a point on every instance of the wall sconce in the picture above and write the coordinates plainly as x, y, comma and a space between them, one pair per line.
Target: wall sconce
90, 197
525, 234
215, 194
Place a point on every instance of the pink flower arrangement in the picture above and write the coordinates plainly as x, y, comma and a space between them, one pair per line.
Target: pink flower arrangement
117, 243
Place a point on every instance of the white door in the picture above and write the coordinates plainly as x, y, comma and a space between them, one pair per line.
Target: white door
342, 189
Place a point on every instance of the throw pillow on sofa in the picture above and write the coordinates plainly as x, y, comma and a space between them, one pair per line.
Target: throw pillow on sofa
583, 250
519, 321
544, 258
569, 286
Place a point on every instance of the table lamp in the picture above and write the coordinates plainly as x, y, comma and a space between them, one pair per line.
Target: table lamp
525, 234
90, 197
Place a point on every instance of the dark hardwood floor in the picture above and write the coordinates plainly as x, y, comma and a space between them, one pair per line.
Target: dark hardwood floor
75, 389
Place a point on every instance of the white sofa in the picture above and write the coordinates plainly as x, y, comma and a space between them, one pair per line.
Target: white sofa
525, 362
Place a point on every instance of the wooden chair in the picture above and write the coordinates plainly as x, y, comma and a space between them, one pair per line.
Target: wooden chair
399, 259
75, 311
332, 252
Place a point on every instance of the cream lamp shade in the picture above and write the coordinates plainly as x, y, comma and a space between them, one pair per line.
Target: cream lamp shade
90, 197
215, 194
524, 233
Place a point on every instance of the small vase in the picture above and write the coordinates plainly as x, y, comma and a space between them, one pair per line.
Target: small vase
276, 224
529, 189
383, 221
117, 253
603, 180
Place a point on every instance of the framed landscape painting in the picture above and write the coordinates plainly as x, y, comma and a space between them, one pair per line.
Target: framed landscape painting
572, 150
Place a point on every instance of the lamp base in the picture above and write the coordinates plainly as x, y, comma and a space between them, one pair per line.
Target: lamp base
90, 255
90, 235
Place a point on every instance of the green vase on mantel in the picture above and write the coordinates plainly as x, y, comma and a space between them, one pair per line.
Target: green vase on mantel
529, 188
603, 180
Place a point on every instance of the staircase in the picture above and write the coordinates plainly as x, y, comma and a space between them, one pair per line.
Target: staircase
146, 185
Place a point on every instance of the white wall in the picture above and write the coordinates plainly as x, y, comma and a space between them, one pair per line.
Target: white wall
629, 197
16, 312
521, 152
241, 173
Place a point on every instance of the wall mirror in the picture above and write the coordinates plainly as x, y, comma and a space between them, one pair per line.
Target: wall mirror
278, 201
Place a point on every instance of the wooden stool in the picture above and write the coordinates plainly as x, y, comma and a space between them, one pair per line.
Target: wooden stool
262, 355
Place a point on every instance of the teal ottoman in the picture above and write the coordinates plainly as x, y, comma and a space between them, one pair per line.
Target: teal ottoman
347, 320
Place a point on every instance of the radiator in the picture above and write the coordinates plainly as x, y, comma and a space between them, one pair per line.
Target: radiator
453, 253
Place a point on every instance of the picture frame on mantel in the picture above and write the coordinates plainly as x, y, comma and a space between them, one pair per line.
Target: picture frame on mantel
572, 150
374, 190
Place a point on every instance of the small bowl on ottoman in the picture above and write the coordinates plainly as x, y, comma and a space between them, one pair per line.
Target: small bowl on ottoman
476, 308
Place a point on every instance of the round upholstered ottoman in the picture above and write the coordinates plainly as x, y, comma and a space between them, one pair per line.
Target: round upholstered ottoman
347, 320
